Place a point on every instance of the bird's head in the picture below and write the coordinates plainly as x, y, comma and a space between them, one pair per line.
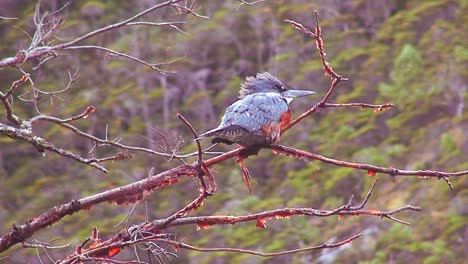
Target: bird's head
267, 83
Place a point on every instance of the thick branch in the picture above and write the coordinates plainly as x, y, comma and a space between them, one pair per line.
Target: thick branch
138, 233
152, 231
127, 194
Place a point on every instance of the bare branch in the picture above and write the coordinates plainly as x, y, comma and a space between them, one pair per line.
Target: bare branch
202, 169
262, 217
42, 145
258, 253
153, 66
102, 142
336, 78
119, 24
90, 109
4, 97
127, 194
46, 245
194, 205
152, 231
37, 52
378, 107
189, 10
370, 168
243, 2
8, 18
170, 24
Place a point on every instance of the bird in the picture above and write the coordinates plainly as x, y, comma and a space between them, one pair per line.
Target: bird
260, 114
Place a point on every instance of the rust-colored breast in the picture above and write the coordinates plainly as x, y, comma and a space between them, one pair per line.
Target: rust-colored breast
285, 119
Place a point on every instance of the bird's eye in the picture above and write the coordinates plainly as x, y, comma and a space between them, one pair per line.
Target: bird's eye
281, 88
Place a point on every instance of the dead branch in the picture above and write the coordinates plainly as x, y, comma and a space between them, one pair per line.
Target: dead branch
128, 194
202, 168
153, 66
243, 2
371, 169
104, 142
42, 145
258, 253
262, 217
36, 51
4, 97
378, 107
46, 25
135, 234
336, 78
153, 231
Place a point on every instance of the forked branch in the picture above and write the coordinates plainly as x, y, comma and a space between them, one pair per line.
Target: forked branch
153, 231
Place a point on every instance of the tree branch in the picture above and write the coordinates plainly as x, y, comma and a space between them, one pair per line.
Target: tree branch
4, 97
130, 193
258, 253
36, 52
153, 231
262, 217
153, 66
42, 145
378, 107
372, 169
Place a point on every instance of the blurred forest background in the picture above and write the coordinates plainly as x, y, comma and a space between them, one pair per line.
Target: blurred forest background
410, 53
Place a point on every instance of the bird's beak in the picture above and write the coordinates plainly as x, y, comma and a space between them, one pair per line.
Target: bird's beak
297, 93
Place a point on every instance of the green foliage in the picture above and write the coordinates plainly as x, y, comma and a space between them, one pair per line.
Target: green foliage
407, 65
447, 143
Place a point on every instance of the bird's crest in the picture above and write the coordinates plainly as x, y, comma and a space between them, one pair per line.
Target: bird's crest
260, 82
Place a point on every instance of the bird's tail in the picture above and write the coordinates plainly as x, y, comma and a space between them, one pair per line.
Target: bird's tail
209, 133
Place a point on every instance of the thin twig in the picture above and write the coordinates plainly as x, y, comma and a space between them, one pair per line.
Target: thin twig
259, 253
115, 143
336, 78
38, 244
201, 166
37, 52
119, 54
190, 10
378, 107
42, 145
8, 18
4, 97
89, 110
243, 2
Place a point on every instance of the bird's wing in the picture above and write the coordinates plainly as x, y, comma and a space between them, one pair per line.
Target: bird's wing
255, 111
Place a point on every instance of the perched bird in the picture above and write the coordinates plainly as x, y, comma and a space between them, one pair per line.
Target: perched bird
259, 115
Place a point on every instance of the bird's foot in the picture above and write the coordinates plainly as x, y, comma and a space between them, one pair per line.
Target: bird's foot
248, 151
245, 174
243, 154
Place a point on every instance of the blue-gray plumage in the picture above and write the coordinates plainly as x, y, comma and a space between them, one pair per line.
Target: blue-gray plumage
260, 114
